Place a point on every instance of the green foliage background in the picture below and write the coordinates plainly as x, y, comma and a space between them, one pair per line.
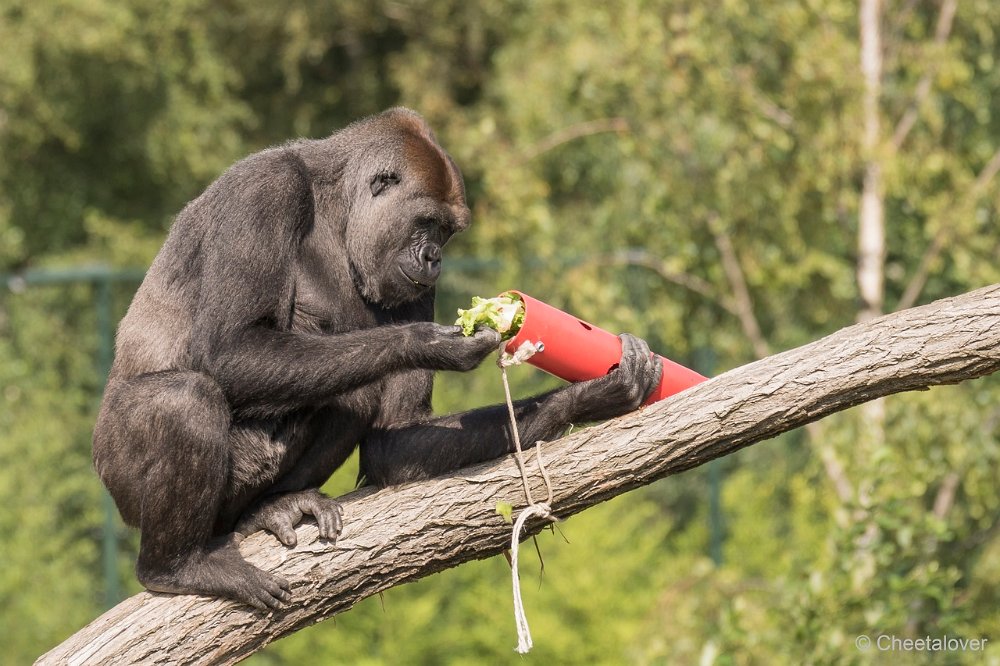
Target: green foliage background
607, 148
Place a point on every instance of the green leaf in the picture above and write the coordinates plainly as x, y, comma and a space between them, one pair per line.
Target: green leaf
506, 511
505, 314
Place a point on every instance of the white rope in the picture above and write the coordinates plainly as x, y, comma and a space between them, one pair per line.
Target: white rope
540, 509
520, 619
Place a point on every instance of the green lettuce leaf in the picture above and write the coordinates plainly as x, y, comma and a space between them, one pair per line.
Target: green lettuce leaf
504, 314
506, 511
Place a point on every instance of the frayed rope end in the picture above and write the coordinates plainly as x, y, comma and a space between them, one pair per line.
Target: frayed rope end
542, 510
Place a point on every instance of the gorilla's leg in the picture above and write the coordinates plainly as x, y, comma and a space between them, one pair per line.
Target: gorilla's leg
161, 447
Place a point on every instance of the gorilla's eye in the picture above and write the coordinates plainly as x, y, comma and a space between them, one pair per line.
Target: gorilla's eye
437, 228
382, 180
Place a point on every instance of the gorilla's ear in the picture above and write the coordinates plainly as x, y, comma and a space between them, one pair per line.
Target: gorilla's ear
382, 180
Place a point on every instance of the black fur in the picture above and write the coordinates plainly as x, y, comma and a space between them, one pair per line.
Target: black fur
287, 319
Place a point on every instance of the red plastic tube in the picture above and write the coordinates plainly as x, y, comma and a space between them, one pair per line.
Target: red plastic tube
575, 350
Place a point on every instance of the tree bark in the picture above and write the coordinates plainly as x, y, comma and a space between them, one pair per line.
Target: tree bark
401, 534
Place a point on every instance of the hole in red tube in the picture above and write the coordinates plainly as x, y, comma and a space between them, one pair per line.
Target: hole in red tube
586, 325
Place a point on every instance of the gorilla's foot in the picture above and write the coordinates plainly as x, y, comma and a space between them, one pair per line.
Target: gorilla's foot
220, 571
281, 513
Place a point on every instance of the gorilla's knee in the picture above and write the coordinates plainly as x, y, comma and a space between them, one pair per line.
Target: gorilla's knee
157, 434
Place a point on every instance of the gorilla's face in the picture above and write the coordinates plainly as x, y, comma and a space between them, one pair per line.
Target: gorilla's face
409, 203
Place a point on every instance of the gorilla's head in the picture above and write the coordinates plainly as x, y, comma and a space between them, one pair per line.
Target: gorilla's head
406, 199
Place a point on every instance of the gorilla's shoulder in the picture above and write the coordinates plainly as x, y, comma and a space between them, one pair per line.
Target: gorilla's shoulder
276, 169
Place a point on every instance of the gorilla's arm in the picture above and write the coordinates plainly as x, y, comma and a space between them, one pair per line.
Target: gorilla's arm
398, 454
399, 450
256, 217
264, 372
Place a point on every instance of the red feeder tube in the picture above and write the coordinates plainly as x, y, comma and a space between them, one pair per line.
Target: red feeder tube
575, 350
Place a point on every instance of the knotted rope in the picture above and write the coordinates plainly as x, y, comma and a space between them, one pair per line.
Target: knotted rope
537, 509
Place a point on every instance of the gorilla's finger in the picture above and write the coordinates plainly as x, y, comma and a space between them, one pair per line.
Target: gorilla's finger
487, 333
338, 520
247, 527
642, 347
257, 601
284, 529
279, 588
323, 523
652, 371
288, 537
272, 602
657, 373
630, 353
327, 514
327, 523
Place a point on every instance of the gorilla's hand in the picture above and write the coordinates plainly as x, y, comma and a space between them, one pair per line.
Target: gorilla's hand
441, 347
623, 389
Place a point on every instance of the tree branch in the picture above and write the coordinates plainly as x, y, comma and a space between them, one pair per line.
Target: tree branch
402, 534
647, 260
941, 31
744, 311
738, 284
916, 284
574, 132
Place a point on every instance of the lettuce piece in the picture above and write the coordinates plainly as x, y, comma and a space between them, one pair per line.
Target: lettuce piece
505, 314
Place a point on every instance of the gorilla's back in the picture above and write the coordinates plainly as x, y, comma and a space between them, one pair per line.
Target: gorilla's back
155, 333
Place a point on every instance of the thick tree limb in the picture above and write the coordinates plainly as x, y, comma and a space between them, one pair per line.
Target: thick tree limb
398, 535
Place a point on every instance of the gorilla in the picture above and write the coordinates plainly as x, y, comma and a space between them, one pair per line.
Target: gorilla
287, 319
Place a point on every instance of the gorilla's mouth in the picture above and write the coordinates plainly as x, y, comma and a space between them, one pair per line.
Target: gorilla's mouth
425, 283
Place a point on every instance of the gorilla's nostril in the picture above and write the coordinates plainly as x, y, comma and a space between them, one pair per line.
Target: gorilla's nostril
431, 255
